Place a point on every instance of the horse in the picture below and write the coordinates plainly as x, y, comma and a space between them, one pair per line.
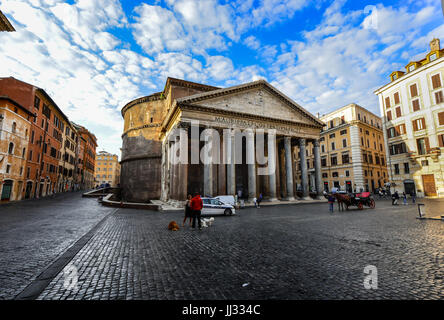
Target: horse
343, 199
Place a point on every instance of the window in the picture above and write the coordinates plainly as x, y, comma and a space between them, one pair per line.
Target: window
406, 167
332, 146
383, 163
377, 159
8, 168
419, 124
325, 175
370, 159
423, 145
343, 132
415, 105
46, 111
14, 127
323, 162
347, 173
332, 136
331, 124
396, 168
387, 104
432, 57
344, 143
389, 116
441, 140
11, 148
439, 97
323, 148
342, 120
396, 98
424, 163
335, 174
396, 149
333, 160
441, 118
345, 158
436, 81
398, 112
30, 155
411, 68
23, 152
364, 157
36, 102
413, 90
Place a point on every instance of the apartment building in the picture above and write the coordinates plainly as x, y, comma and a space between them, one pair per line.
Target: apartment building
107, 169
352, 151
412, 105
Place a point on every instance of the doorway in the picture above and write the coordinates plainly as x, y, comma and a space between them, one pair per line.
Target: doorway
428, 181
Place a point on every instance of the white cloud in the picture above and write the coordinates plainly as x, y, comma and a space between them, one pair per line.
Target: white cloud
252, 42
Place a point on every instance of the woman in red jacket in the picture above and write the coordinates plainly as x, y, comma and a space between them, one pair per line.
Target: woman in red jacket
196, 207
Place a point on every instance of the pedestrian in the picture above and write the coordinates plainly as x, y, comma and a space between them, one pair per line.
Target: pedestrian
196, 207
395, 198
404, 198
255, 202
188, 211
413, 195
331, 201
259, 200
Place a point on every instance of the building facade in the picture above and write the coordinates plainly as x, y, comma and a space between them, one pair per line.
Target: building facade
352, 151
67, 162
159, 127
15, 125
412, 105
45, 168
88, 145
107, 169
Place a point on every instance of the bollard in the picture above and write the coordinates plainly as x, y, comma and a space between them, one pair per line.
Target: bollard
419, 209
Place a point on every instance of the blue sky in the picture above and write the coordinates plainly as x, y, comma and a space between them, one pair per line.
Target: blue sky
93, 56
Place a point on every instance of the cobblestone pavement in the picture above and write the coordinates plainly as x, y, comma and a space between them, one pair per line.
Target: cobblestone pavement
285, 252
33, 233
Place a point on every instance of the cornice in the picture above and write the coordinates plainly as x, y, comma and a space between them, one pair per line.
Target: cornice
153, 97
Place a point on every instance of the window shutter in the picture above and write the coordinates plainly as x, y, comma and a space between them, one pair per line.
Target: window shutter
396, 131
441, 118
387, 102
388, 133
403, 129
413, 90
398, 112
423, 123
396, 97
436, 81
415, 104
389, 115
441, 140
415, 126
427, 144
439, 97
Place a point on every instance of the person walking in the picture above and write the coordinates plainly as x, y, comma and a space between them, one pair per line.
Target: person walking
259, 200
413, 195
404, 198
196, 207
331, 201
395, 198
188, 211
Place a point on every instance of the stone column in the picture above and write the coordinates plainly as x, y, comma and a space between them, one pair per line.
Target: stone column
231, 166
271, 146
208, 166
289, 168
176, 182
183, 167
304, 170
318, 169
251, 160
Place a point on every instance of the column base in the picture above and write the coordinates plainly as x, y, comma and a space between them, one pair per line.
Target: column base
289, 199
306, 198
270, 200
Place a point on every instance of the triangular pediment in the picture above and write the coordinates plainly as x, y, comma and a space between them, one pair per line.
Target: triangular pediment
258, 99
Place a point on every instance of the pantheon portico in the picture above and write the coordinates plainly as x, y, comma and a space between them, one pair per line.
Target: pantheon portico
216, 141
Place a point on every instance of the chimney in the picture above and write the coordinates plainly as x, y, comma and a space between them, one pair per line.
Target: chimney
434, 45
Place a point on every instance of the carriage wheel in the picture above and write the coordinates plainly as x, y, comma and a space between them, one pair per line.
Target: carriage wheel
372, 203
360, 206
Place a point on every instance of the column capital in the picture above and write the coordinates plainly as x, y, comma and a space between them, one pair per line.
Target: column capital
302, 141
316, 143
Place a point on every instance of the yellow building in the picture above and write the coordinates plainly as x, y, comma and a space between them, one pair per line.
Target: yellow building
352, 151
412, 105
107, 169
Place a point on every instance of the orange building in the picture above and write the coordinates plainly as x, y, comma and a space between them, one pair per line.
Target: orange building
88, 143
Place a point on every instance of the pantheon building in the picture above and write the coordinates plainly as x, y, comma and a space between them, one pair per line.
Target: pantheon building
156, 125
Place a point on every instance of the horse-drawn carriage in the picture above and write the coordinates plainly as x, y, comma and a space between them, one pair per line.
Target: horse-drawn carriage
355, 199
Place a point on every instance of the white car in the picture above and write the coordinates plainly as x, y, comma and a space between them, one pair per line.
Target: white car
213, 206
